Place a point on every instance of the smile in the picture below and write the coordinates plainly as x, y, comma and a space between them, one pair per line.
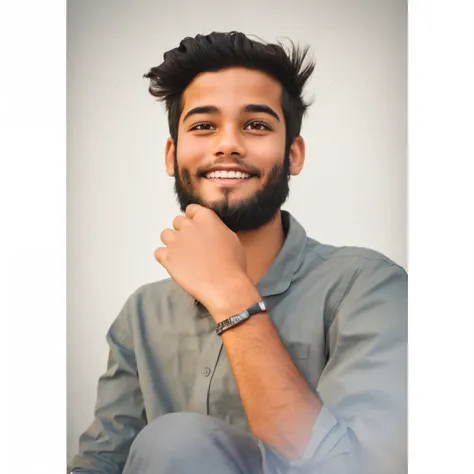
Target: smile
228, 182
237, 175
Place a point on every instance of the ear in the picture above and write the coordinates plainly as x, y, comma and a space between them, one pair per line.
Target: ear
297, 156
169, 156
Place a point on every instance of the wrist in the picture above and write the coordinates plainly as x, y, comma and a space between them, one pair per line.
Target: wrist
233, 298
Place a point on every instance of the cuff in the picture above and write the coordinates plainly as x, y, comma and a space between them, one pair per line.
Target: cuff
329, 439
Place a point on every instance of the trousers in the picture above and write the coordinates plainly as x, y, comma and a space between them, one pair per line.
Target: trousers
191, 443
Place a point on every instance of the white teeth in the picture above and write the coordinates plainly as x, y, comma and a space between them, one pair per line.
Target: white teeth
228, 175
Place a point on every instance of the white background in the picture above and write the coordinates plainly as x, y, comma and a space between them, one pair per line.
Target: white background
352, 190
33, 236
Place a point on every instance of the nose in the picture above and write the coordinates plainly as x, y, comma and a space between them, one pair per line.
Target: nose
228, 142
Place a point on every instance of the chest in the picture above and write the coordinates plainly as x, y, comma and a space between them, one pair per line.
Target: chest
184, 367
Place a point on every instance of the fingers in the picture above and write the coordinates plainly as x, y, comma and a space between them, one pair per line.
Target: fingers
160, 255
178, 222
193, 209
167, 236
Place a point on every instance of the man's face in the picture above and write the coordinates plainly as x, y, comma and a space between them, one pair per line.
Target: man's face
230, 154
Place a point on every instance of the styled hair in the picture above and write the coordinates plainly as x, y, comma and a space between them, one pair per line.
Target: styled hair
218, 51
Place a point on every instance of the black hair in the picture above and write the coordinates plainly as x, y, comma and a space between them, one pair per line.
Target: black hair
217, 51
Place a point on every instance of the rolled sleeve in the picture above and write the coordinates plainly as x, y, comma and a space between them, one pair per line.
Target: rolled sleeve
332, 449
330, 438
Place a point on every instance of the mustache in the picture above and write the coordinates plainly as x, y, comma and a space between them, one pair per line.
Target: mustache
202, 170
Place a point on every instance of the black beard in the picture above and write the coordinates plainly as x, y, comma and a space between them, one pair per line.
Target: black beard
248, 214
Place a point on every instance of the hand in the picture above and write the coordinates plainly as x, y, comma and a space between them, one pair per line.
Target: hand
207, 260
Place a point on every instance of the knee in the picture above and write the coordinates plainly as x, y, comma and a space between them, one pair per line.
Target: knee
174, 432
190, 442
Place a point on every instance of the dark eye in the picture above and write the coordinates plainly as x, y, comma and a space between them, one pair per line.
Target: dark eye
257, 125
202, 126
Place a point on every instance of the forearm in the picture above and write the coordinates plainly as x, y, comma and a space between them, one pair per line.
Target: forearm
280, 407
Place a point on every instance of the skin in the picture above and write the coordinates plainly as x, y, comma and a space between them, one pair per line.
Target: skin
220, 268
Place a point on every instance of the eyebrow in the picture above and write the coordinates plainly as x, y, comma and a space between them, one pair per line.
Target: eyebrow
212, 109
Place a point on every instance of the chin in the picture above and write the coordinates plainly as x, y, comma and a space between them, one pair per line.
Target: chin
231, 201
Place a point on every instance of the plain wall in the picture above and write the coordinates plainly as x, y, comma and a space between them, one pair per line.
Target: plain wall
352, 190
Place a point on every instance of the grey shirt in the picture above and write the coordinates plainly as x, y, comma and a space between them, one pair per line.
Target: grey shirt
341, 313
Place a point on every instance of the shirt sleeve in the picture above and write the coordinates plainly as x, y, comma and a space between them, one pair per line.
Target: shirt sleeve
363, 388
119, 410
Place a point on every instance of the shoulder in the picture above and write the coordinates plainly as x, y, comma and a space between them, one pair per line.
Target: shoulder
343, 271
154, 300
348, 258
364, 287
149, 308
158, 296
155, 290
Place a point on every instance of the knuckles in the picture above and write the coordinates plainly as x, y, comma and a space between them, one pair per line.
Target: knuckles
179, 221
159, 255
167, 236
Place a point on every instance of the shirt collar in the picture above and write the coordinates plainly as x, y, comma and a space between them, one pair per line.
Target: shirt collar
278, 277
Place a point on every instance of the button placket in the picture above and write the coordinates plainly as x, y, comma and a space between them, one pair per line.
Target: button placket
205, 365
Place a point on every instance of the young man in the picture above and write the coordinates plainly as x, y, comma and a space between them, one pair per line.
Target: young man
266, 351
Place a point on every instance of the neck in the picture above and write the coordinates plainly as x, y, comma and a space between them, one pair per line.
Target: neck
261, 246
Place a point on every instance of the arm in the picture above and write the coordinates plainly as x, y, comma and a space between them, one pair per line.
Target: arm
362, 389
119, 411
281, 409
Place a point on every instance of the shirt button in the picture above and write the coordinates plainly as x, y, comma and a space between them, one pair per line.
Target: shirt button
206, 372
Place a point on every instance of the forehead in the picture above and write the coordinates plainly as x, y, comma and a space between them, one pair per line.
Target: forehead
232, 87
